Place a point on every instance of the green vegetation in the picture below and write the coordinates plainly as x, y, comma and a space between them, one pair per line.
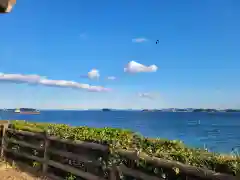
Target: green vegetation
70, 177
126, 139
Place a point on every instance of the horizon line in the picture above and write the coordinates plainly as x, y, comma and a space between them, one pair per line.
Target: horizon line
86, 109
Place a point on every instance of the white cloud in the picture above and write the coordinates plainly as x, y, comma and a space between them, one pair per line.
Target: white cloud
93, 74
148, 95
135, 67
21, 78
139, 40
111, 78
145, 95
41, 80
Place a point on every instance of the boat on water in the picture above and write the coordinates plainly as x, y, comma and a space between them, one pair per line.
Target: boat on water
26, 111
106, 109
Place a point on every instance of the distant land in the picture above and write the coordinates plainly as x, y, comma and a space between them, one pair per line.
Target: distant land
192, 110
151, 110
183, 110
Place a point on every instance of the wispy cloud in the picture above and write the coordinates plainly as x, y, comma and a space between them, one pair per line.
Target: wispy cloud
111, 78
135, 67
139, 40
41, 80
145, 95
148, 95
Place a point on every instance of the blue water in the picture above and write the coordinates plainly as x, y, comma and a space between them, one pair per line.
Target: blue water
219, 132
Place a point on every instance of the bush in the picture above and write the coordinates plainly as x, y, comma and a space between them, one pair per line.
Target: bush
126, 139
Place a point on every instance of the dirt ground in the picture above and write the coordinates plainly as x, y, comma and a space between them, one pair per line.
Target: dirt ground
9, 173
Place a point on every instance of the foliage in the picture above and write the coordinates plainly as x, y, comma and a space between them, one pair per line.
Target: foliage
70, 177
126, 139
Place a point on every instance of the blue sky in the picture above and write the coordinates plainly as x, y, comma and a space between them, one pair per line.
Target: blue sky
197, 55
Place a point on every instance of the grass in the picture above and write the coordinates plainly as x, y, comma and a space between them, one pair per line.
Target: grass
126, 139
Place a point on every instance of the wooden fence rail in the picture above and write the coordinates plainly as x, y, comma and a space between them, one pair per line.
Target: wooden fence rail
45, 146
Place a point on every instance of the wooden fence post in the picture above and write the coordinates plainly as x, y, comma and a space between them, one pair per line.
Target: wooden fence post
114, 173
4, 126
2, 140
46, 144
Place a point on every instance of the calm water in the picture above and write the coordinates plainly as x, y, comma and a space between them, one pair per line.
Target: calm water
219, 132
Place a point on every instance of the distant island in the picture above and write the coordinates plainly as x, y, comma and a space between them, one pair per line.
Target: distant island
22, 110
190, 110
106, 109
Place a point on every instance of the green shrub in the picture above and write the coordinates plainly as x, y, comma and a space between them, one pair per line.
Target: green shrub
126, 139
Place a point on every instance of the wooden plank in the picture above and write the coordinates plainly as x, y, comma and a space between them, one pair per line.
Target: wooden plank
26, 133
57, 152
67, 141
46, 157
75, 171
67, 168
80, 143
187, 169
74, 156
35, 158
25, 144
53, 177
137, 174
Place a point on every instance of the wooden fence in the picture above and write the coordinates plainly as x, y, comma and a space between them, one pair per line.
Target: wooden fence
60, 158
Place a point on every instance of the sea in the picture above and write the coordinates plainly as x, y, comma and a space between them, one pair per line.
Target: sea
218, 132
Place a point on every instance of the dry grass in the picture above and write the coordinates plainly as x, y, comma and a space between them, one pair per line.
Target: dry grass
8, 172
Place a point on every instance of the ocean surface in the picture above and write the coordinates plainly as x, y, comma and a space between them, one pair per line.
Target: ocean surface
219, 132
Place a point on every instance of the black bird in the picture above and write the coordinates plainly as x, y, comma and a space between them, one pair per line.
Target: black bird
157, 41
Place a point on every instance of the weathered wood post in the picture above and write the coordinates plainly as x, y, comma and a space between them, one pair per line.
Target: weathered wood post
4, 125
46, 157
114, 171
114, 174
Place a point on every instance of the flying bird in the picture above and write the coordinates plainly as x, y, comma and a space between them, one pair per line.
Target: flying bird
157, 41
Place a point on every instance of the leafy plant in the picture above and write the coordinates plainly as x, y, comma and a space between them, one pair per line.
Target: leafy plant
36, 164
70, 177
126, 139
